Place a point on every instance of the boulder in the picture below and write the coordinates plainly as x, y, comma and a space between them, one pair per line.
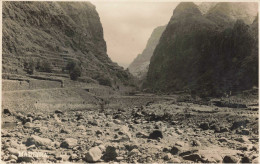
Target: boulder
38, 141
12, 157
175, 150
246, 160
7, 111
230, 159
13, 151
28, 125
93, 155
238, 124
110, 154
156, 134
204, 126
69, 143
193, 157
134, 152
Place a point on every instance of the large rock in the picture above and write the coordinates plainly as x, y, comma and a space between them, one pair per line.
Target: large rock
193, 157
38, 141
156, 134
69, 143
93, 155
110, 153
230, 159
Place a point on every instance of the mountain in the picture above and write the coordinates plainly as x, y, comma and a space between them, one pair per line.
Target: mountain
57, 33
228, 12
196, 54
204, 7
139, 67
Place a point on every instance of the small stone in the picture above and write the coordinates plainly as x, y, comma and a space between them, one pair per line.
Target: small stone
28, 125
81, 127
93, 155
256, 160
58, 112
175, 150
25, 159
168, 156
193, 157
179, 143
156, 134
243, 139
66, 131
195, 143
134, 152
116, 121
230, 159
222, 140
69, 143
119, 158
73, 157
12, 157
141, 135
204, 126
245, 132
13, 151
174, 160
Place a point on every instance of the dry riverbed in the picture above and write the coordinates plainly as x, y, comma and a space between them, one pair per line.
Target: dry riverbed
167, 131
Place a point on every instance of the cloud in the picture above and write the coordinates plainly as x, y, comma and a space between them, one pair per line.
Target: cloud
128, 25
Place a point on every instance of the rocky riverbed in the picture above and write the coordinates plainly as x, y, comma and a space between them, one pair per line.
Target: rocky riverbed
167, 131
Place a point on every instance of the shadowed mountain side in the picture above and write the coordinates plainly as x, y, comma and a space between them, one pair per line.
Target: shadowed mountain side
196, 54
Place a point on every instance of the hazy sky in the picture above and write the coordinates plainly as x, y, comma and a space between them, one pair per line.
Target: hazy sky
128, 25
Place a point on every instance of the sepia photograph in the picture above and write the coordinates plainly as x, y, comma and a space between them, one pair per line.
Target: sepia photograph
128, 81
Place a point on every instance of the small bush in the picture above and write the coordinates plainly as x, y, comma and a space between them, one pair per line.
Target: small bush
29, 66
44, 66
103, 80
70, 65
75, 73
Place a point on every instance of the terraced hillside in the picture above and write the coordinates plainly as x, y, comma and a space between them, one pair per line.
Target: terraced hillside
57, 33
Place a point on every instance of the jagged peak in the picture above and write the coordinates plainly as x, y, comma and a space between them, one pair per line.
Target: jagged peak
185, 9
235, 10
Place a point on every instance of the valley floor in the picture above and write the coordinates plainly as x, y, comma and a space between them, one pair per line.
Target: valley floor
79, 126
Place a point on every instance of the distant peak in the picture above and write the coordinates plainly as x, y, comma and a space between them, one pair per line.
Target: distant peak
185, 9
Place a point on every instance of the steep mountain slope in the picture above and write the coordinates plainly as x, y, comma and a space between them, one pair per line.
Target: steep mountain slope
228, 12
56, 33
195, 53
204, 7
139, 66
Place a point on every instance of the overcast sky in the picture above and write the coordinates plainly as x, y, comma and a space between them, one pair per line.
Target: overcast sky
128, 26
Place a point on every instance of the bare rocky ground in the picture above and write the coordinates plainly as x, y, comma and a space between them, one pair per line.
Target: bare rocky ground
171, 129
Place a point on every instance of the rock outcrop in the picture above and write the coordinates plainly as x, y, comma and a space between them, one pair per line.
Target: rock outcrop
57, 33
139, 67
204, 54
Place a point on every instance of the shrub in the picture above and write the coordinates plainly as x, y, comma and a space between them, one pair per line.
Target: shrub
29, 66
75, 73
44, 66
103, 80
70, 65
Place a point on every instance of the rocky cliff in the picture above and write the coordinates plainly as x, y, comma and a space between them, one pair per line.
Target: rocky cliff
204, 54
57, 33
139, 67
